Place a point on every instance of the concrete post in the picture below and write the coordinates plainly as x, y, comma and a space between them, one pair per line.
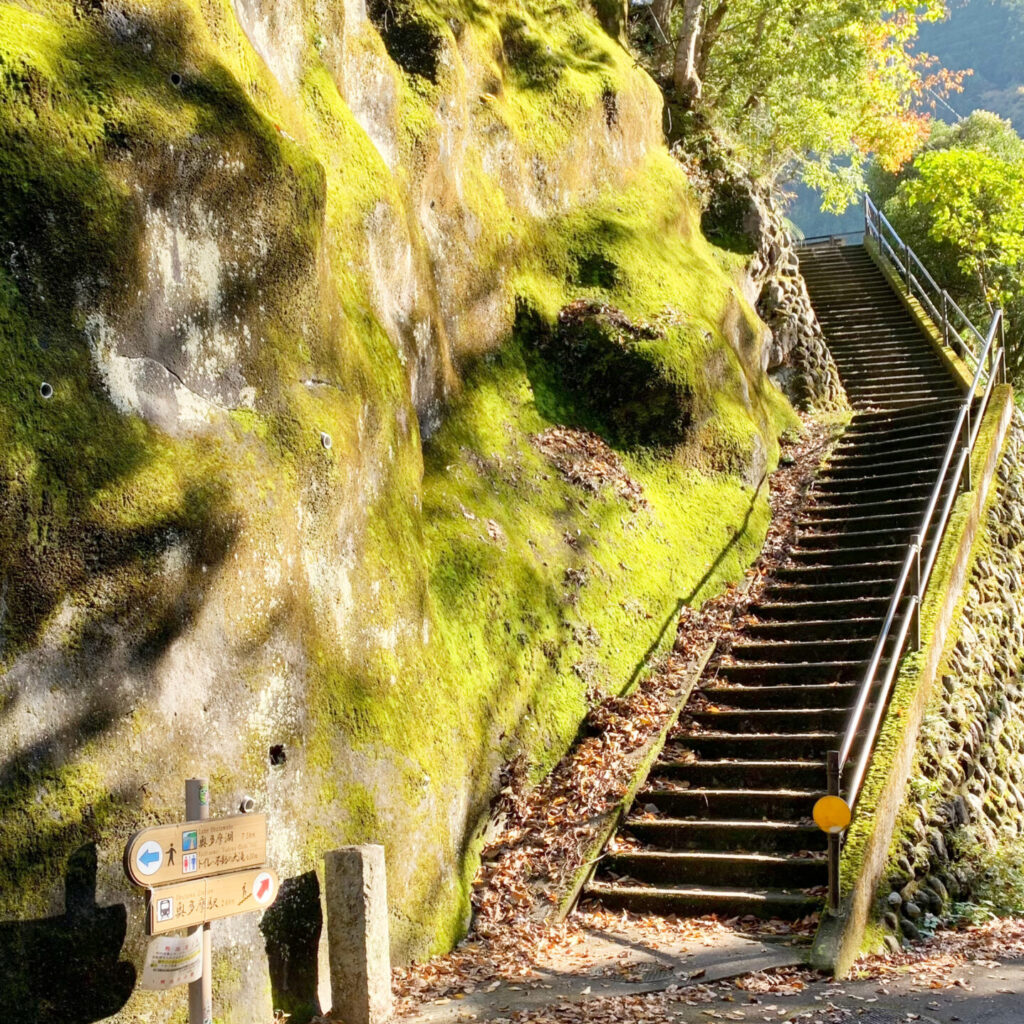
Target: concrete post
355, 890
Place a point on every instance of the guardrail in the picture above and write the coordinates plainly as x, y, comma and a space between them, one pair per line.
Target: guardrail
902, 624
958, 332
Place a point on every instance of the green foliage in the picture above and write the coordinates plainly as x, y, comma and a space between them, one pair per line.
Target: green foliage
994, 875
982, 131
960, 206
974, 201
808, 90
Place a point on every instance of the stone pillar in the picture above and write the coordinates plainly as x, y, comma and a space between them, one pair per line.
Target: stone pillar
355, 890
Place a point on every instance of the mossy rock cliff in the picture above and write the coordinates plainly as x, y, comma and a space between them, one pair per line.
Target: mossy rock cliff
294, 287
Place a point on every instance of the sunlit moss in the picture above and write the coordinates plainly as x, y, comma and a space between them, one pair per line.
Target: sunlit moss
469, 641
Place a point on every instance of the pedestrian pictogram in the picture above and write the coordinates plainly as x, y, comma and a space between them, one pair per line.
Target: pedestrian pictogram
223, 864
214, 846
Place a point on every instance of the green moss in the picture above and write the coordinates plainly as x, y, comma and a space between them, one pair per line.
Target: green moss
538, 590
474, 596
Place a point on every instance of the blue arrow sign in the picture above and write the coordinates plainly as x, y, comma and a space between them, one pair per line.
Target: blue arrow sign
149, 857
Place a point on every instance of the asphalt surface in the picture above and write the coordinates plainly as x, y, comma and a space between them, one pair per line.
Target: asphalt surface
980, 994
986, 992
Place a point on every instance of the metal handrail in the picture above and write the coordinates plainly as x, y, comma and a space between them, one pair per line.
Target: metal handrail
915, 573
940, 303
912, 561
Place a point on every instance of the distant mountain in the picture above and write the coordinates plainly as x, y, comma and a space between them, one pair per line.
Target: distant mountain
986, 36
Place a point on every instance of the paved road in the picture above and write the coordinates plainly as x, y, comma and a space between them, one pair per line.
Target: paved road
988, 995
614, 963
988, 992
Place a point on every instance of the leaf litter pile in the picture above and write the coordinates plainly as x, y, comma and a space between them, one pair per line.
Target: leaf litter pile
947, 961
586, 460
548, 834
938, 962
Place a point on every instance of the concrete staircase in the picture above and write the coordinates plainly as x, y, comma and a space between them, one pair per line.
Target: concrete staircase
723, 823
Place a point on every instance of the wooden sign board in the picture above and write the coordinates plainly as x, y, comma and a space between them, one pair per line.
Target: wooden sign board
195, 902
196, 849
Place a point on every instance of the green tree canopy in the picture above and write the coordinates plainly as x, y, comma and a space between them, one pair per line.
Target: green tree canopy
806, 87
962, 210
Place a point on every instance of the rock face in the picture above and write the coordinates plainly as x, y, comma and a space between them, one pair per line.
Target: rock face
281, 520
961, 832
796, 356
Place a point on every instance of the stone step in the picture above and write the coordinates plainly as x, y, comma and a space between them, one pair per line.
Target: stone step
781, 718
774, 673
930, 454
846, 556
815, 629
739, 835
808, 775
783, 696
811, 575
687, 868
696, 901
846, 648
764, 746
758, 805
783, 611
844, 591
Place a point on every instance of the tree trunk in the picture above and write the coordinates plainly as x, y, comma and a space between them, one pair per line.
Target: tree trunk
687, 81
662, 11
709, 34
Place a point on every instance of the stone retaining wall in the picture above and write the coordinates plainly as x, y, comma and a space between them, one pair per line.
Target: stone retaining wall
797, 357
967, 784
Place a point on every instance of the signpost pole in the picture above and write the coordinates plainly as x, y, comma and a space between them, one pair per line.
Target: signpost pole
200, 993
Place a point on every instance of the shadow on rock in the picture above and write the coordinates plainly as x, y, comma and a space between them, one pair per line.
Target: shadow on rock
66, 969
291, 931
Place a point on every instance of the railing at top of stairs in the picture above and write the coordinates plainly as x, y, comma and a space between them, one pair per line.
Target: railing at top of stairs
902, 623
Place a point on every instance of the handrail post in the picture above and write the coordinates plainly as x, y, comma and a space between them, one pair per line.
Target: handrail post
833, 837
915, 625
945, 318
906, 266
968, 485
1002, 348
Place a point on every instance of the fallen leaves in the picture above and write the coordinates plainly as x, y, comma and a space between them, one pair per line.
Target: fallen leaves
584, 459
548, 833
937, 963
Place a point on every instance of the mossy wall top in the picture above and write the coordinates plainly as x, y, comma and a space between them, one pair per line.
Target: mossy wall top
292, 269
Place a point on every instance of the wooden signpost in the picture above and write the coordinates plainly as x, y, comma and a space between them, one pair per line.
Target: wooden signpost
196, 849
188, 904
199, 871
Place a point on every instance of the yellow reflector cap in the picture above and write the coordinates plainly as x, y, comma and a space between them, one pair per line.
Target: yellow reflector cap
832, 814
